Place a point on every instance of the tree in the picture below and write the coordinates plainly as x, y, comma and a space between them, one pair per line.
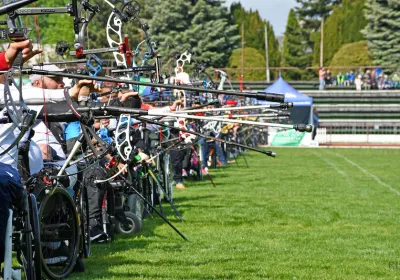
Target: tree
381, 31
47, 28
343, 26
252, 59
310, 13
209, 35
254, 32
169, 21
201, 27
353, 54
293, 49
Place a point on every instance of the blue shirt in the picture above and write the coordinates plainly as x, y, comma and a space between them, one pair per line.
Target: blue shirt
315, 120
72, 130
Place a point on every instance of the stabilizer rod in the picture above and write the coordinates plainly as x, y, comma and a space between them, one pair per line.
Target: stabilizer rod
272, 97
268, 153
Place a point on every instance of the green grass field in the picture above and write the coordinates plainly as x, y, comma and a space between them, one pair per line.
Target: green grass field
307, 214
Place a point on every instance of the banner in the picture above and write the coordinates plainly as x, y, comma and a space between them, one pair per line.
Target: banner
288, 138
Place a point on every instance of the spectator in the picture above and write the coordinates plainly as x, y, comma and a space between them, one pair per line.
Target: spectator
315, 123
386, 82
321, 75
373, 78
340, 79
347, 79
358, 82
395, 80
380, 81
334, 81
351, 78
328, 78
367, 80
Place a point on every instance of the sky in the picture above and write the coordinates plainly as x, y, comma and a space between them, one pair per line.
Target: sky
275, 11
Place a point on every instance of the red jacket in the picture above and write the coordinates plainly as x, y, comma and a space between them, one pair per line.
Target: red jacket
3, 64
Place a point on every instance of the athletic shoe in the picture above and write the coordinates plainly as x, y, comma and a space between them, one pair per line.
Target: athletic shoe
192, 172
184, 173
180, 186
97, 234
204, 171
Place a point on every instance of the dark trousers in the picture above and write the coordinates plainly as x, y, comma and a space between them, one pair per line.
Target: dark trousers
314, 133
177, 159
95, 193
10, 191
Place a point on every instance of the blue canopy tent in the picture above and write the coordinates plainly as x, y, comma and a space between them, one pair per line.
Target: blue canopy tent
302, 110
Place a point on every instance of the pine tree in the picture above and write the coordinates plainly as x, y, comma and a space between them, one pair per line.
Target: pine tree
381, 31
169, 20
209, 35
203, 28
311, 12
293, 48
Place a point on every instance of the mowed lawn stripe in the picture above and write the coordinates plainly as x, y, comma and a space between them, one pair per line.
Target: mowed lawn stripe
292, 217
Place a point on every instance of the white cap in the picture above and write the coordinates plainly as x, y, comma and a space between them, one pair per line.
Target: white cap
50, 67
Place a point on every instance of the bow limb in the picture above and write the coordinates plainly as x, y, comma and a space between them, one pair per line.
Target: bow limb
113, 177
22, 117
114, 28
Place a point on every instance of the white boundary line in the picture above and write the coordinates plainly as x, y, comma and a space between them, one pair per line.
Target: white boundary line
369, 174
331, 164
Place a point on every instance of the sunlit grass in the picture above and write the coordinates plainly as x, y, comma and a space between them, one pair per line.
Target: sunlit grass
307, 214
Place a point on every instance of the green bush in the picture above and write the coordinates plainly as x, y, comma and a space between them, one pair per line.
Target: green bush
252, 58
352, 55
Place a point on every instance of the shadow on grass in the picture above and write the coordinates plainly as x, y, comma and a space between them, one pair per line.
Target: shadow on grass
126, 242
179, 200
123, 261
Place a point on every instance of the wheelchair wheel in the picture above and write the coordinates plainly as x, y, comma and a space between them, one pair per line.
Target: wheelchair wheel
148, 194
37, 266
199, 163
24, 252
167, 176
59, 233
133, 224
82, 203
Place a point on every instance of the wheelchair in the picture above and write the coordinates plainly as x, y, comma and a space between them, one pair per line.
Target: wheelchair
60, 223
23, 237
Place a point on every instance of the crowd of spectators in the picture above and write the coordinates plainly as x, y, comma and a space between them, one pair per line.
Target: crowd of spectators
370, 79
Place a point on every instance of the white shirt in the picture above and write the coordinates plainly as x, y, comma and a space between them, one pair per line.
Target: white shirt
35, 94
43, 135
8, 132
